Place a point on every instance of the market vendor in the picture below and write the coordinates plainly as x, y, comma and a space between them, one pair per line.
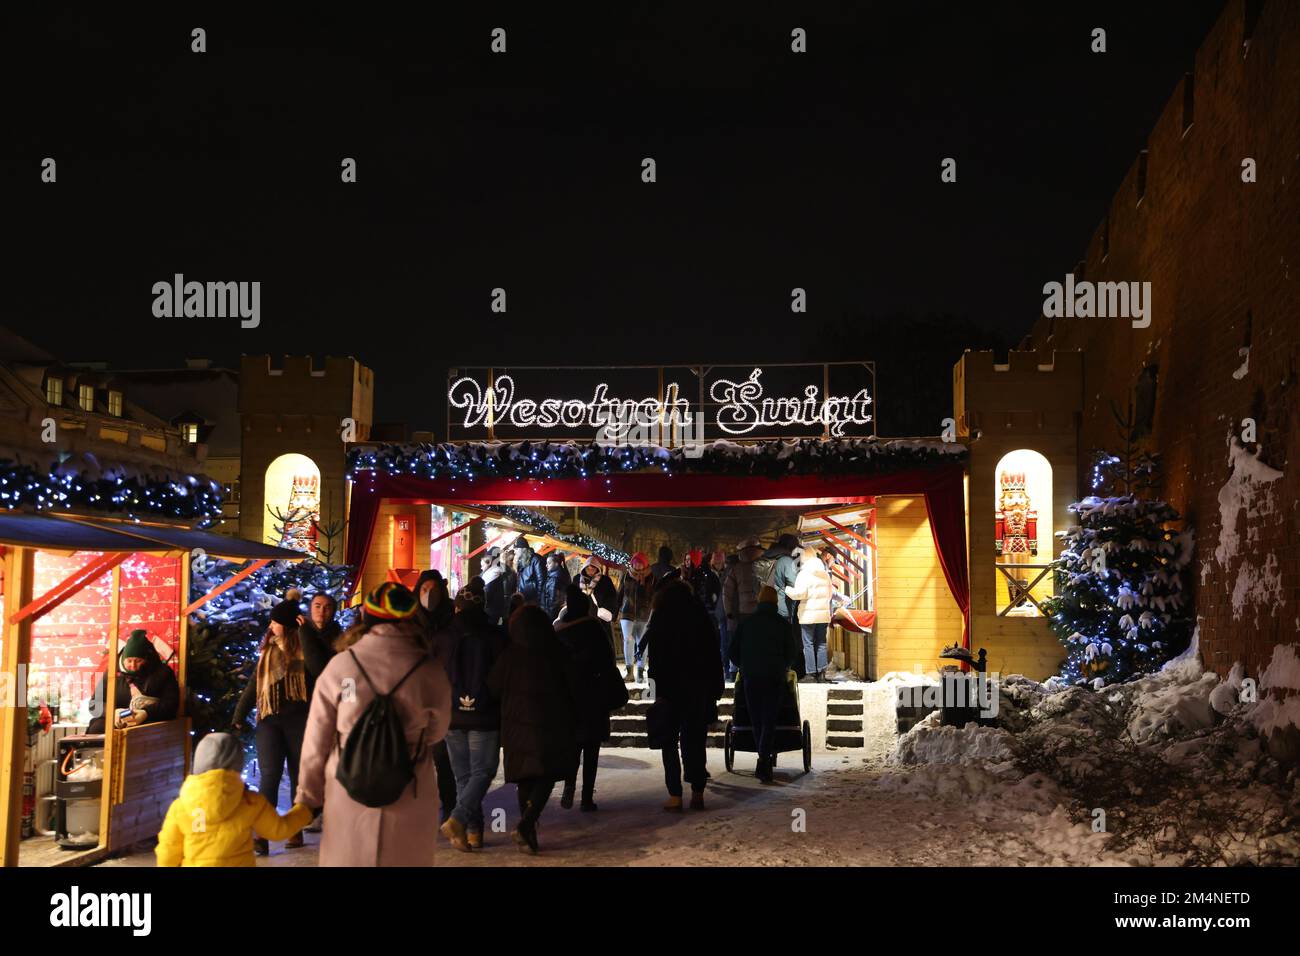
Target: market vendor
146, 687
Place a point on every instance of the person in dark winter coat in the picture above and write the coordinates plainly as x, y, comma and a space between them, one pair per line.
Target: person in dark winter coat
764, 648
687, 672
145, 685
779, 567
595, 583
474, 741
532, 679
433, 613
530, 572
436, 607
740, 590
318, 631
598, 688
557, 583
280, 689
703, 580
664, 567
635, 592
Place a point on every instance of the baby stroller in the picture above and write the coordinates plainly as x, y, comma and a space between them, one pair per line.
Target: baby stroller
791, 733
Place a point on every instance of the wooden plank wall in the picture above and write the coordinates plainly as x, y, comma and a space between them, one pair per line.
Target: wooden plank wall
147, 773
916, 614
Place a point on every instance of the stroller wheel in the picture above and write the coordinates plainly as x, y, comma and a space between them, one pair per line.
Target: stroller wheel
807, 747
728, 748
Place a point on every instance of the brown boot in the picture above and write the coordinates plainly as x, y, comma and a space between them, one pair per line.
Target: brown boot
673, 805
697, 799
454, 831
475, 839
294, 842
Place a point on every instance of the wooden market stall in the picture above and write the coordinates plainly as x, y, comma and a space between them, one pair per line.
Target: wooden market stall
847, 534
412, 536
73, 588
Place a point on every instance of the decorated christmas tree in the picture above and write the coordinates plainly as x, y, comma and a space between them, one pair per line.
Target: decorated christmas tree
1121, 607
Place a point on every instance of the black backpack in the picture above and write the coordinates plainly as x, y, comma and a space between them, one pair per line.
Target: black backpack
375, 764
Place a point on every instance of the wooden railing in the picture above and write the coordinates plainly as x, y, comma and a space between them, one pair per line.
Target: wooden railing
1020, 592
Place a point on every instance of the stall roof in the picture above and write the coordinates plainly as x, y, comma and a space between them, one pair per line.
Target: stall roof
64, 533
186, 539
41, 531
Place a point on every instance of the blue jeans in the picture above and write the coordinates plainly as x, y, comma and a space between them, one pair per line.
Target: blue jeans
632, 632
728, 634
814, 648
475, 755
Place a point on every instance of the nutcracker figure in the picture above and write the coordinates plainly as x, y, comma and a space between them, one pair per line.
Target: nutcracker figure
1016, 538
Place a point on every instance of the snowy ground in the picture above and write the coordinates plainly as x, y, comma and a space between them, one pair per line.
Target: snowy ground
1173, 769
854, 813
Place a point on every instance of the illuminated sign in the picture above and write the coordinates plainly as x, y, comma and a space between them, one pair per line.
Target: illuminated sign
663, 405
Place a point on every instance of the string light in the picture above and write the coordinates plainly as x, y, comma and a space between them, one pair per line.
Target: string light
575, 459
197, 499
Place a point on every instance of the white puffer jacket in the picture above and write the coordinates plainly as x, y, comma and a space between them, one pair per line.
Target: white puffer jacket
812, 589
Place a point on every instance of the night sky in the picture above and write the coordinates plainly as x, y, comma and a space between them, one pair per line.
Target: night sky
522, 171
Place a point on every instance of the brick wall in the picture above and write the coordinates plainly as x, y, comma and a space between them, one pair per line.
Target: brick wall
1223, 258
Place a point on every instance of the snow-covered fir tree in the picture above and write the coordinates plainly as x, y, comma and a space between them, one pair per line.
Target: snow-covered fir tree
227, 631
1121, 607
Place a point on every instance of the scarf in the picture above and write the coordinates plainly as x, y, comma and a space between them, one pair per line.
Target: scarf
281, 674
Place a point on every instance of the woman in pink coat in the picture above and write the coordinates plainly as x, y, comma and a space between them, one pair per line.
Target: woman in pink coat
390, 644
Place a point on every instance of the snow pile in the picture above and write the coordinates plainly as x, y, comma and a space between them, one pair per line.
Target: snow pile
1279, 704
1175, 701
1169, 769
929, 743
1248, 494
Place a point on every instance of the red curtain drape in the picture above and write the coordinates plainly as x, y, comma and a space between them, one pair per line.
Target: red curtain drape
946, 505
942, 486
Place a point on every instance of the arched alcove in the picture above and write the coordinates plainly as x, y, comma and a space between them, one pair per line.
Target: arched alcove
1022, 513
292, 503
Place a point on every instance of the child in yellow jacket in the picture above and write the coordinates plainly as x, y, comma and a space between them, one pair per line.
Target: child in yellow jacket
213, 821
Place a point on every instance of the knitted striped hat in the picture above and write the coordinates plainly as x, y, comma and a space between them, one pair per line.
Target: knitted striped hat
389, 602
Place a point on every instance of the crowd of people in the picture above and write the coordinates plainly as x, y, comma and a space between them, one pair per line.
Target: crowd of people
427, 695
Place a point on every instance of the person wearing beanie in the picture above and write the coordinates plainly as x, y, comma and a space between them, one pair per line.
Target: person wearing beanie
280, 689
764, 648
390, 657
635, 592
216, 818
145, 686
598, 689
